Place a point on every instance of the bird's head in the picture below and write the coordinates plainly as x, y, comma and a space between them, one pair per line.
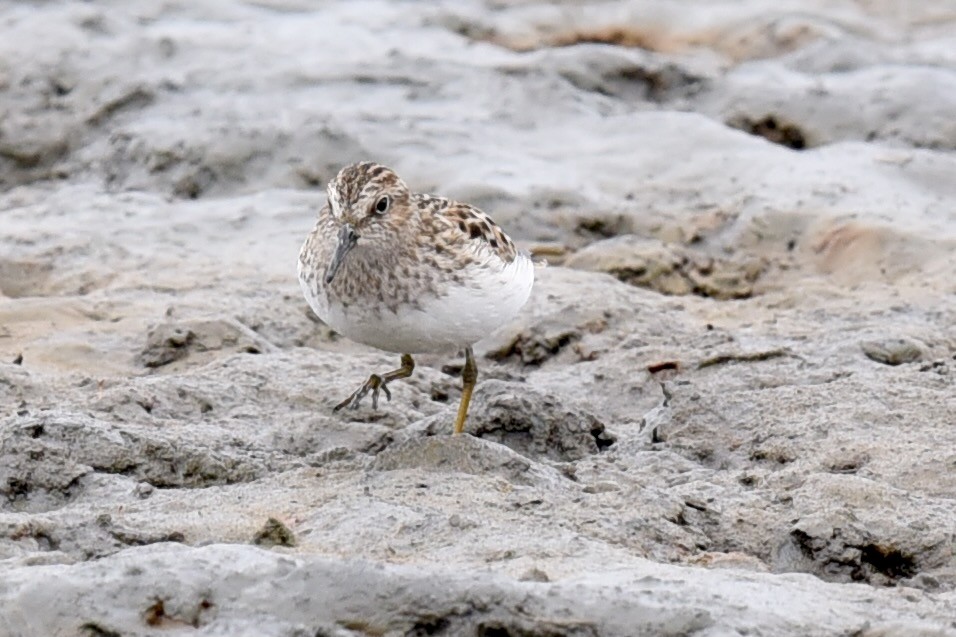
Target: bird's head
366, 200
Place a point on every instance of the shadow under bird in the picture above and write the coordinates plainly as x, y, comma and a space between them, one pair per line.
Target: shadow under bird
409, 273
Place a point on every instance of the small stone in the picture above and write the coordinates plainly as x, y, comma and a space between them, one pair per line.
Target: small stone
924, 581
456, 521
166, 343
534, 575
274, 533
892, 351
603, 486
669, 268
143, 490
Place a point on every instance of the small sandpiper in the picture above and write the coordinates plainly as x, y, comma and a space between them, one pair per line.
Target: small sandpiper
409, 273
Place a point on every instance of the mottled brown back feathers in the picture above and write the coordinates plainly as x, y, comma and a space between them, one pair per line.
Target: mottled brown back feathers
464, 222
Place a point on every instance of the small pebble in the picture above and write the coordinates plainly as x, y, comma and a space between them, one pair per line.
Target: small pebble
274, 533
602, 486
534, 575
143, 490
892, 351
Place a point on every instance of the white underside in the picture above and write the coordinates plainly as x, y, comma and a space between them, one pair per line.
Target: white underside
458, 317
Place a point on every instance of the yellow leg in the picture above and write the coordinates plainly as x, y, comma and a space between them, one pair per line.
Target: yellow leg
376, 383
469, 375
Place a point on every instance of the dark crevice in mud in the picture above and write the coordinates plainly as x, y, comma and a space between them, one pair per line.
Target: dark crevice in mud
31, 530
602, 438
92, 629
378, 445
605, 227
196, 615
32, 494
834, 560
774, 130
429, 626
533, 349
16, 489
121, 469
498, 628
637, 83
889, 561
130, 538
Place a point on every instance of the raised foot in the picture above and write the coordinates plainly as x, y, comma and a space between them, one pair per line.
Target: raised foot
374, 384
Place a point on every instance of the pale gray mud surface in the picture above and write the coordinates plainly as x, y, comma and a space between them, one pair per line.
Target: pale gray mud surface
729, 407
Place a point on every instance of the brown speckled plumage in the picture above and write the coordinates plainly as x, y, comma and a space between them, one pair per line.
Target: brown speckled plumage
393, 241
409, 273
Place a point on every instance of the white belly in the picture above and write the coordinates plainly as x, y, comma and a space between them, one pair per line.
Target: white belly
459, 316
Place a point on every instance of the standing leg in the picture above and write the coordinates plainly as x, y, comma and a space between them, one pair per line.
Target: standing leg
376, 383
469, 375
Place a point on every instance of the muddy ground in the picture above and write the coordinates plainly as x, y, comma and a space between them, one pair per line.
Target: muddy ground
728, 408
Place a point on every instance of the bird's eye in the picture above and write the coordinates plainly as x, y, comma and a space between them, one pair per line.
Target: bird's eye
382, 205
